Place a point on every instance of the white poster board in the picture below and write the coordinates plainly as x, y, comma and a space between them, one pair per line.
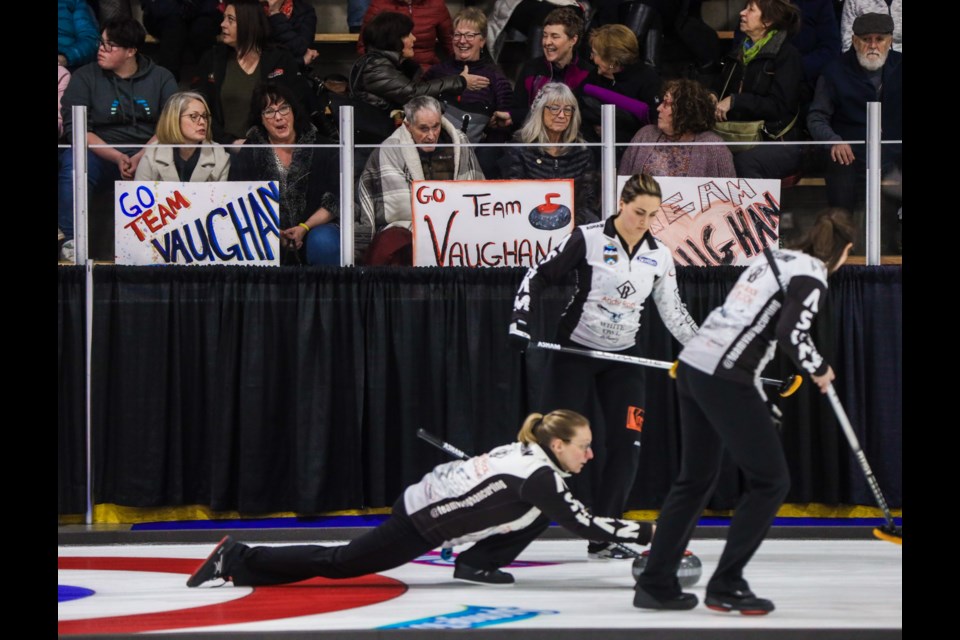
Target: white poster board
197, 223
716, 221
493, 223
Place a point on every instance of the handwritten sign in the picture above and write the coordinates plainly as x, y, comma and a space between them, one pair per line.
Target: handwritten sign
716, 221
197, 223
495, 223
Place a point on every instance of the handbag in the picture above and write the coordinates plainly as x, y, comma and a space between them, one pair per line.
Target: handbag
734, 131
471, 123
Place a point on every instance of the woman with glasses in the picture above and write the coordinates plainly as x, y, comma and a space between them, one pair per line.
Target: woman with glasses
501, 500
685, 113
551, 130
309, 177
619, 265
228, 73
469, 51
185, 120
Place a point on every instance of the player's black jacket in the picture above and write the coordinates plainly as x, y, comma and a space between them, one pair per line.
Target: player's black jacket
506, 490
738, 339
612, 287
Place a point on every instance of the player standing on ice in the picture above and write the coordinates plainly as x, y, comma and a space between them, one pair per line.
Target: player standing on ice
723, 408
503, 500
618, 264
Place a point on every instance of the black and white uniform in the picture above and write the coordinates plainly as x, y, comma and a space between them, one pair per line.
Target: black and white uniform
502, 499
605, 314
722, 407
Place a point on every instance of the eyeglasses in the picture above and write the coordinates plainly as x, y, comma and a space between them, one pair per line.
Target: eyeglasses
107, 46
196, 117
283, 110
469, 36
556, 110
664, 100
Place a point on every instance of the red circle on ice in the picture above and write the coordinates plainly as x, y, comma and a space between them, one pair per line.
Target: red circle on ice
318, 595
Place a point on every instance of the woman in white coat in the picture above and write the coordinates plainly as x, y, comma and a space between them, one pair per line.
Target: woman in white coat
185, 120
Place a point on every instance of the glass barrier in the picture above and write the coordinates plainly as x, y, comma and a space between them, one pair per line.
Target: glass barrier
802, 179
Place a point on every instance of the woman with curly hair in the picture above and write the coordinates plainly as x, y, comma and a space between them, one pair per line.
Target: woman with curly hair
686, 114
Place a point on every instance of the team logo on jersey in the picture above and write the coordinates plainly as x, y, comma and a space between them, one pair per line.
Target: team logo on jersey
614, 316
646, 260
610, 254
626, 290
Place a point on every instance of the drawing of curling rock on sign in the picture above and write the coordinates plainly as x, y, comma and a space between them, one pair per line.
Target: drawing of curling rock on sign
550, 215
496, 223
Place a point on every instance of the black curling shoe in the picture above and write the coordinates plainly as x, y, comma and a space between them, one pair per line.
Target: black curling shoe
743, 601
646, 598
493, 577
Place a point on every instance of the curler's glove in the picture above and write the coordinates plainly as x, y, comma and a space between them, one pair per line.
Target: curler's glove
518, 336
775, 414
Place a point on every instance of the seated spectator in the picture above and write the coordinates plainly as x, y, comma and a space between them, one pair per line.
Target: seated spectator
552, 127
619, 78
185, 120
761, 80
230, 71
384, 193
685, 114
854, 8
432, 27
525, 16
63, 79
181, 27
562, 29
868, 72
386, 76
124, 93
77, 34
469, 40
308, 176
293, 26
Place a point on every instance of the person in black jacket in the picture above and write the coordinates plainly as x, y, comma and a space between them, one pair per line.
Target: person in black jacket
503, 500
761, 80
549, 135
387, 77
228, 73
293, 26
723, 412
615, 52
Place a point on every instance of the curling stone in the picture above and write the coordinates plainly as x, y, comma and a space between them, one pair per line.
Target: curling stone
688, 574
550, 215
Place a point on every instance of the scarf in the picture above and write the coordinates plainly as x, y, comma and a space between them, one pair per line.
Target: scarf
751, 49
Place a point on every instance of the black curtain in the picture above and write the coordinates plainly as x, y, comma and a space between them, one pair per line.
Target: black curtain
71, 391
299, 389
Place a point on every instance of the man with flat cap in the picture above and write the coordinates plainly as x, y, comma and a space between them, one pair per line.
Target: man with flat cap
869, 72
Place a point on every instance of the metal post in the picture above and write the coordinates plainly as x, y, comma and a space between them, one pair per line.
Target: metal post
79, 150
873, 183
346, 186
608, 158
88, 368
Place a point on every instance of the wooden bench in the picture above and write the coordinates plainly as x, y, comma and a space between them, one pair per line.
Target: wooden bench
320, 38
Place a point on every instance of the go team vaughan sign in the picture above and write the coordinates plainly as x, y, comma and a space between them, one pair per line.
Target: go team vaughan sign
716, 221
493, 223
197, 223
